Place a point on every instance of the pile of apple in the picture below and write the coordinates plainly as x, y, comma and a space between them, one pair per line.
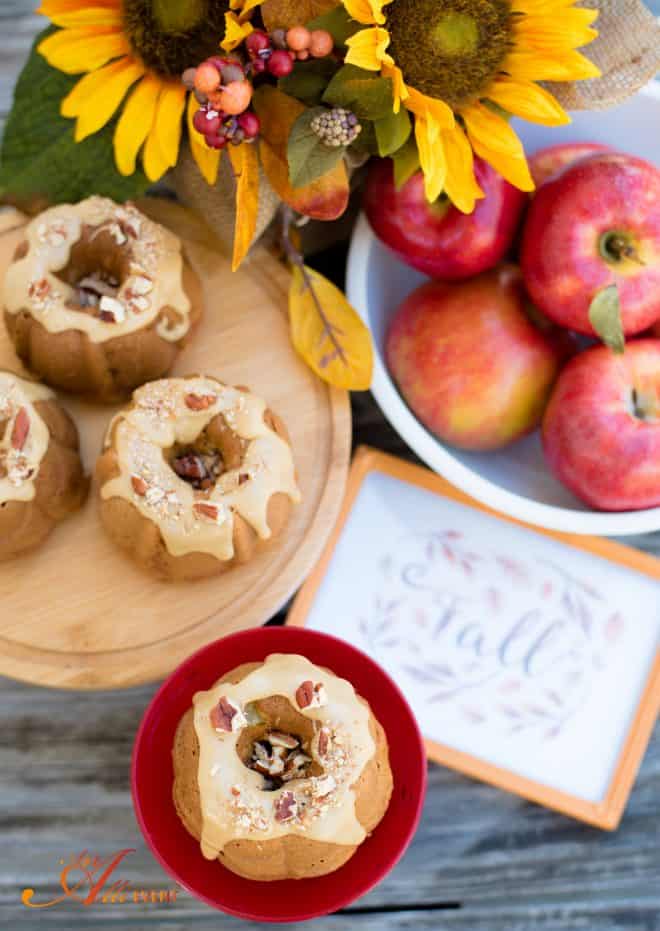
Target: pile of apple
491, 349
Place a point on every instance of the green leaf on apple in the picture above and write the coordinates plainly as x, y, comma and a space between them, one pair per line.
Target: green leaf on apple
605, 318
392, 131
308, 157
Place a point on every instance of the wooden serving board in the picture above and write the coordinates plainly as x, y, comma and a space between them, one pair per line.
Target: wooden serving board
76, 613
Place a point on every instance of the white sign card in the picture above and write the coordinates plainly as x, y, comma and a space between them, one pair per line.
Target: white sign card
516, 651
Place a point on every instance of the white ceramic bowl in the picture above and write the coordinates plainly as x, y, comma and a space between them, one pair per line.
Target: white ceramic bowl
514, 480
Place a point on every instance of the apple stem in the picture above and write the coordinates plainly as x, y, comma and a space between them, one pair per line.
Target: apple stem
615, 246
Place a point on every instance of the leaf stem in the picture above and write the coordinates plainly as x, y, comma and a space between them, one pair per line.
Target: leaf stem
296, 259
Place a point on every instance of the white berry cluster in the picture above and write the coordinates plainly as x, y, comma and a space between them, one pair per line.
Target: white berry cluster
336, 127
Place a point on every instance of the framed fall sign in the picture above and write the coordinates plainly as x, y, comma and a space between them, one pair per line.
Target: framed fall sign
529, 657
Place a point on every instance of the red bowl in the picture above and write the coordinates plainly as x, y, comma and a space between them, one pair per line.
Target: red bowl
179, 853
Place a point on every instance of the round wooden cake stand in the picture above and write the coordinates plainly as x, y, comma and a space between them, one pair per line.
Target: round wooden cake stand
76, 613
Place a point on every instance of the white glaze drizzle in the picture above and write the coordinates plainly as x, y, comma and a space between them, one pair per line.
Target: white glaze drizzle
234, 806
154, 282
160, 418
19, 467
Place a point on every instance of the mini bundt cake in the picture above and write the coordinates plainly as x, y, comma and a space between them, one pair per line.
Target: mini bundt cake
280, 770
98, 298
195, 477
41, 477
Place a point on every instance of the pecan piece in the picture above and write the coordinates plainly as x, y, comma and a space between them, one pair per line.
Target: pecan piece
206, 510
199, 402
190, 466
226, 716
280, 739
140, 487
311, 695
286, 807
324, 741
20, 429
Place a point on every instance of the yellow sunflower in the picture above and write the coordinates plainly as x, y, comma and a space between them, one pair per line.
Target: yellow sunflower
457, 64
131, 54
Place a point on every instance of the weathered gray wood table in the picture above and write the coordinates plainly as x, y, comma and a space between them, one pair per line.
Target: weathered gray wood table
481, 861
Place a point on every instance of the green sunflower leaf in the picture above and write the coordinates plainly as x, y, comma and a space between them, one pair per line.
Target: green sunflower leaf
406, 163
605, 318
308, 80
39, 158
308, 157
368, 95
392, 131
338, 23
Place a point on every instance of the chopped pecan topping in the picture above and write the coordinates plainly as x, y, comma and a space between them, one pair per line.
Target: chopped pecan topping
206, 510
140, 487
39, 289
280, 739
199, 402
324, 741
111, 310
226, 716
20, 429
189, 466
311, 695
286, 807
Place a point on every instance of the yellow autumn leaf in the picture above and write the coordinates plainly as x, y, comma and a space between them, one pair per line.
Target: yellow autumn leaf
245, 162
327, 332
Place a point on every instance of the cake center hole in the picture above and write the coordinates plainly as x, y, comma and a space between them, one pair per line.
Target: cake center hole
199, 463
96, 269
279, 757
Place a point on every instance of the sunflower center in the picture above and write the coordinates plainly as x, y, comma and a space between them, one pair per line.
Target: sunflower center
172, 35
449, 49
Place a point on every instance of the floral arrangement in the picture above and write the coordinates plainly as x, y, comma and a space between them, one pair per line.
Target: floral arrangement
295, 94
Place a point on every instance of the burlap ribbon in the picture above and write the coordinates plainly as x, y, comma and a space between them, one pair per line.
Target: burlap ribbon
627, 51
216, 203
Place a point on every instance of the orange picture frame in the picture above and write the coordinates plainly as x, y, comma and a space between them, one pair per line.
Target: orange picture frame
605, 814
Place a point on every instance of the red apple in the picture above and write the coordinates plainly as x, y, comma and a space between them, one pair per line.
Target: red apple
469, 362
601, 431
436, 238
549, 161
593, 225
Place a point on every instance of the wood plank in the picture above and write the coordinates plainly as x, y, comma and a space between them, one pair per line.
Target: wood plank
511, 866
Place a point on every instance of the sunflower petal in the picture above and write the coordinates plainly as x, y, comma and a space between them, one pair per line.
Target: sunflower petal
78, 13
568, 31
529, 101
98, 95
248, 6
154, 159
135, 122
423, 105
536, 66
431, 156
541, 7
235, 32
167, 123
207, 159
460, 183
495, 141
368, 12
84, 49
399, 89
367, 49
